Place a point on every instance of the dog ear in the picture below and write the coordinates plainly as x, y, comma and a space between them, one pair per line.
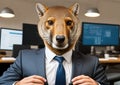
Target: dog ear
75, 9
41, 9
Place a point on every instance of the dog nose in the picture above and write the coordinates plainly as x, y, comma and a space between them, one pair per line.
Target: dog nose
60, 38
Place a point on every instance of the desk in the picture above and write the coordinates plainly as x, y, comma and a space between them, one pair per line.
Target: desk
4, 64
109, 61
102, 60
7, 60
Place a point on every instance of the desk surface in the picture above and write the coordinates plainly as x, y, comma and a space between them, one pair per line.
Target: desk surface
110, 60
102, 60
7, 60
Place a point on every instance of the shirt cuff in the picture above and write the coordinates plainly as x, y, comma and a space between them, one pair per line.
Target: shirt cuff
14, 82
98, 83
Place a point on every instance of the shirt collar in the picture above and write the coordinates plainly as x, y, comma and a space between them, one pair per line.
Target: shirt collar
50, 55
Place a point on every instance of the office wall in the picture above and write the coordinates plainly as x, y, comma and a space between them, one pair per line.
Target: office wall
26, 13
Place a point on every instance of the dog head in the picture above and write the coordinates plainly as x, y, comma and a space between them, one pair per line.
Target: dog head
58, 26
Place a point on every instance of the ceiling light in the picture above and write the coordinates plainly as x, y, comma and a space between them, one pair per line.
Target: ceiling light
93, 12
7, 13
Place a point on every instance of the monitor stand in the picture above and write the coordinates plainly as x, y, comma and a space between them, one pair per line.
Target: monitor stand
93, 50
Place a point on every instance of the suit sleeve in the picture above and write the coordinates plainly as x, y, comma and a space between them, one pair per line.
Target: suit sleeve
99, 74
13, 73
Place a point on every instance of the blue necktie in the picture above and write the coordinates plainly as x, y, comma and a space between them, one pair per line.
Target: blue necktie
60, 75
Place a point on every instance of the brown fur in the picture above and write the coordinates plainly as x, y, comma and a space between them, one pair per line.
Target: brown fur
58, 21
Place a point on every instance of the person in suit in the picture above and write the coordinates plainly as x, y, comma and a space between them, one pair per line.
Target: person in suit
30, 67
57, 63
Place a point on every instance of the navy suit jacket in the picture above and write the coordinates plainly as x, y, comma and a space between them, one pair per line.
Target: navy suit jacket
32, 62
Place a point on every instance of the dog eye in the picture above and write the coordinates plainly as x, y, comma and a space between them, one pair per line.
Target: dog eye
69, 22
50, 22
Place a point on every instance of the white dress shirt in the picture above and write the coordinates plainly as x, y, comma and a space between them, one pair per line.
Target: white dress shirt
51, 66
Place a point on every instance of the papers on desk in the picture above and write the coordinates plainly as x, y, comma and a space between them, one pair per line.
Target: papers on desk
8, 58
108, 58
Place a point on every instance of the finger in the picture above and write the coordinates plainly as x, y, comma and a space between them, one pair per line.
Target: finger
33, 84
34, 78
38, 77
86, 83
37, 81
82, 81
80, 77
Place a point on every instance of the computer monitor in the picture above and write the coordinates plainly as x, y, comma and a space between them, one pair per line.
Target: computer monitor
17, 48
9, 37
31, 35
99, 34
82, 48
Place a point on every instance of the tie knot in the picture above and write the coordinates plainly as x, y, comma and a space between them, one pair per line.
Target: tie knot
59, 59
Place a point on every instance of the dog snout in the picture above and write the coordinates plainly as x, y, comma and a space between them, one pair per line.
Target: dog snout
60, 38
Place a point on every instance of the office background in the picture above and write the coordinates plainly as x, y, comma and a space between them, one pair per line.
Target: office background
25, 11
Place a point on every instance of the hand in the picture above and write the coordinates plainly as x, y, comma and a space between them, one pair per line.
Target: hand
83, 80
32, 80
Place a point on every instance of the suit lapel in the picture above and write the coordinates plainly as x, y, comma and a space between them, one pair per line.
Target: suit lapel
41, 63
77, 65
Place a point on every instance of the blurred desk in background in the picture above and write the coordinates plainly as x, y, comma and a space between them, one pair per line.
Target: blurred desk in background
7, 60
111, 60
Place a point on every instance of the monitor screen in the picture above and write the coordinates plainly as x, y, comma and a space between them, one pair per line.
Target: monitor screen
100, 34
9, 37
31, 35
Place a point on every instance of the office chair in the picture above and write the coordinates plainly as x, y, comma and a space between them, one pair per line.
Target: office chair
113, 77
113, 73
